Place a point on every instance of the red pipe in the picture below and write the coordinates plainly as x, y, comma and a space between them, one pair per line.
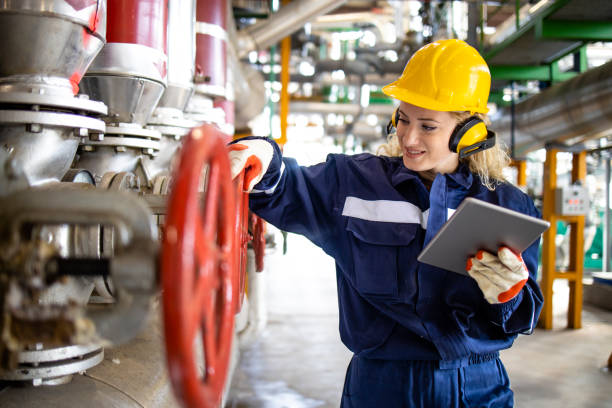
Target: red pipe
141, 22
211, 42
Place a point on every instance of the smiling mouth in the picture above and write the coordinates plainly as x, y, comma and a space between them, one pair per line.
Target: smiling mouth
414, 152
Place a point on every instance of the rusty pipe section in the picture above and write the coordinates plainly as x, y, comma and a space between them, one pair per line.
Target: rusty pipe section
286, 21
579, 107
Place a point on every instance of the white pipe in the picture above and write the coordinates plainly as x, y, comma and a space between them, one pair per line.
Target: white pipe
286, 21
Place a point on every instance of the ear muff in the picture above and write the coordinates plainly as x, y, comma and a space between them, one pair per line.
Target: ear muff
393, 122
471, 136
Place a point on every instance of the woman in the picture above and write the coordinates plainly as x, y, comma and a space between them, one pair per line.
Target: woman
421, 336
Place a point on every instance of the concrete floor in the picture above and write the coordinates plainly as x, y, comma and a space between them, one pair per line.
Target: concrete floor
299, 361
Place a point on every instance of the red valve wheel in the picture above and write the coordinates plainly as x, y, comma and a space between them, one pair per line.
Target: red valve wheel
242, 239
258, 227
197, 262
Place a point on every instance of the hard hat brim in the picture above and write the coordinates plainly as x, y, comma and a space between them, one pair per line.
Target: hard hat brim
395, 90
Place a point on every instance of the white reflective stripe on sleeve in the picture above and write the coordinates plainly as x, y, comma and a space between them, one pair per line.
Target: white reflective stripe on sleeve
271, 189
383, 210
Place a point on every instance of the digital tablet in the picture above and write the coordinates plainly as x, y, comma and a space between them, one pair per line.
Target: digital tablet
480, 225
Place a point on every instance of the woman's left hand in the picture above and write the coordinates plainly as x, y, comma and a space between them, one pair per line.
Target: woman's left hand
501, 277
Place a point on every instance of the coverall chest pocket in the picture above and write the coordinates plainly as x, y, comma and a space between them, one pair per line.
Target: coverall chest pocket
375, 248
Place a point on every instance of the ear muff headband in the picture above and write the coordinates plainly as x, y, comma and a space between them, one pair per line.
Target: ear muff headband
394, 121
471, 136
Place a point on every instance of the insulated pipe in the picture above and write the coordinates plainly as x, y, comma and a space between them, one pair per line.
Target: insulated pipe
286, 21
181, 54
138, 22
211, 47
129, 74
249, 92
579, 107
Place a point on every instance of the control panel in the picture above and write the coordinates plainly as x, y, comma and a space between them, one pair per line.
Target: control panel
572, 200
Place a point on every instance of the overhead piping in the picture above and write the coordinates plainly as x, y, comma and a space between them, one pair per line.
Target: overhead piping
286, 21
579, 107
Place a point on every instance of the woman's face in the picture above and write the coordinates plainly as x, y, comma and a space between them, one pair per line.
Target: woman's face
423, 135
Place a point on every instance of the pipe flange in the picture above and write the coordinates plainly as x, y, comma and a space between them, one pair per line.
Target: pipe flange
79, 103
127, 136
174, 132
36, 120
172, 120
131, 130
50, 366
55, 354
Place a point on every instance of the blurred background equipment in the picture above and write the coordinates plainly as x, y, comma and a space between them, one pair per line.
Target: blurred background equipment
119, 224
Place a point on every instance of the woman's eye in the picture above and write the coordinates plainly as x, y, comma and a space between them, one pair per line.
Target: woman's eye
403, 120
429, 128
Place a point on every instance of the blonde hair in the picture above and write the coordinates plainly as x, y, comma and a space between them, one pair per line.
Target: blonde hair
488, 164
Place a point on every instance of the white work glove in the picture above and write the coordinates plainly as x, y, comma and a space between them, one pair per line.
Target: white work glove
252, 155
501, 277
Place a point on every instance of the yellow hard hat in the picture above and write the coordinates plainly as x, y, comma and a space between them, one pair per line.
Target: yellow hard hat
446, 75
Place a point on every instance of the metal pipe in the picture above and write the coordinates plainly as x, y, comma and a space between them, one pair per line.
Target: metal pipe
248, 83
605, 266
133, 266
579, 107
284, 94
211, 48
129, 74
289, 19
181, 54
341, 108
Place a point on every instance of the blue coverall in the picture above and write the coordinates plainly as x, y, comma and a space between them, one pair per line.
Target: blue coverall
421, 336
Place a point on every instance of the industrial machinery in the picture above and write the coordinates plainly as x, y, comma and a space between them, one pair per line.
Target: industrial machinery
116, 198
86, 157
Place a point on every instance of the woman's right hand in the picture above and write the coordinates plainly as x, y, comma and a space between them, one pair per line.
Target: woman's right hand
501, 277
254, 156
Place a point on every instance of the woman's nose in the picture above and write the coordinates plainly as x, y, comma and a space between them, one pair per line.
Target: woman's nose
408, 135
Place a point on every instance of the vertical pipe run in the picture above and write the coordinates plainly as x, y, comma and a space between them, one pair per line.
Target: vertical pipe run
472, 38
141, 22
481, 25
512, 124
574, 312
605, 266
517, 11
548, 238
284, 94
211, 47
138, 22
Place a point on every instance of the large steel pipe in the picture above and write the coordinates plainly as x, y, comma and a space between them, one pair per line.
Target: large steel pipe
168, 117
288, 20
248, 83
579, 107
211, 47
213, 98
45, 48
181, 54
129, 75
49, 43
